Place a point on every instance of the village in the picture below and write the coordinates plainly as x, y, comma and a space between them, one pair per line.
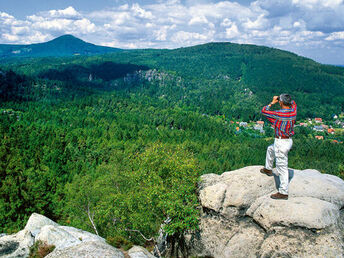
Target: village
317, 128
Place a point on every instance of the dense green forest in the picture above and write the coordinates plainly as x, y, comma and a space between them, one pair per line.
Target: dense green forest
120, 140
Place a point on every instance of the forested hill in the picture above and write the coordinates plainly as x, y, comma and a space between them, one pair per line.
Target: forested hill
66, 45
122, 138
217, 78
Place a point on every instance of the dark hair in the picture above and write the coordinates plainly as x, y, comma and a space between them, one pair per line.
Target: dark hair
285, 98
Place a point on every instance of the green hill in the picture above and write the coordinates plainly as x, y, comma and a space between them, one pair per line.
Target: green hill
66, 45
218, 78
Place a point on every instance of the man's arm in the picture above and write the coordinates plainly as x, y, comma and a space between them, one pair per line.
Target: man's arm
270, 115
293, 105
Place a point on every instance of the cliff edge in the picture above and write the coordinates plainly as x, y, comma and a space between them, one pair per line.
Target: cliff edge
239, 219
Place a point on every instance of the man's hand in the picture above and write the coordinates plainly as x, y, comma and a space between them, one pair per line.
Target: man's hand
274, 100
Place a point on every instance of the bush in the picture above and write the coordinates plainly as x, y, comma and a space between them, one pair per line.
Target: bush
40, 250
119, 242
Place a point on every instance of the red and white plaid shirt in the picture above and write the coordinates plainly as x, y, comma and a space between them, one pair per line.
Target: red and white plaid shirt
282, 120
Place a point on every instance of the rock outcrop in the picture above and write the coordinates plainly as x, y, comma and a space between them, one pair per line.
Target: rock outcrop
68, 241
239, 219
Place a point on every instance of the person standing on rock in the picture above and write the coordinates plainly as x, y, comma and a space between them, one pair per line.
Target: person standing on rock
283, 121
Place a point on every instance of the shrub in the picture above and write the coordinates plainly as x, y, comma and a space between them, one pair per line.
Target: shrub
40, 249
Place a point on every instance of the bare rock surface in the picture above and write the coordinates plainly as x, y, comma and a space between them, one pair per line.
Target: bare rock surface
57, 236
139, 252
36, 222
293, 212
16, 245
311, 183
92, 249
68, 241
239, 219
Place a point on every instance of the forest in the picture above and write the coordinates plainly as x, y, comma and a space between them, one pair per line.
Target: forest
116, 143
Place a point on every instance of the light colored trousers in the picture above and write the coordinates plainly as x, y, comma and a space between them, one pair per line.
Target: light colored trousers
279, 151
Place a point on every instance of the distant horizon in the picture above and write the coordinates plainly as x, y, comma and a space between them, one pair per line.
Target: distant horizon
340, 65
310, 28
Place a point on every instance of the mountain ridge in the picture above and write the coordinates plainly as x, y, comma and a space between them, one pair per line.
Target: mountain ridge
65, 45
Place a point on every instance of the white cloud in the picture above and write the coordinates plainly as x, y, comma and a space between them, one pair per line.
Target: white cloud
297, 25
259, 23
232, 31
55, 24
140, 12
198, 20
68, 12
10, 37
188, 37
336, 35
85, 26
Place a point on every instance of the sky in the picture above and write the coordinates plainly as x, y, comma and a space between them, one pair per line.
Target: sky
311, 28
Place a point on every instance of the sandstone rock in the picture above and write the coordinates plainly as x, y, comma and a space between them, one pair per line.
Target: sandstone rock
36, 222
302, 243
139, 252
298, 211
328, 187
91, 249
244, 243
82, 235
239, 188
56, 236
68, 241
239, 219
220, 238
212, 197
16, 245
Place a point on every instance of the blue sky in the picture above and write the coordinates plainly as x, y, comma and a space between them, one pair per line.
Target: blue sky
312, 28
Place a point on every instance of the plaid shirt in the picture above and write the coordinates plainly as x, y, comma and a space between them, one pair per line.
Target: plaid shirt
282, 120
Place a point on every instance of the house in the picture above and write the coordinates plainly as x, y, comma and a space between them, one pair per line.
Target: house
319, 137
260, 122
335, 141
324, 126
318, 128
335, 117
330, 130
237, 122
259, 128
303, 124
243, 124
318, 120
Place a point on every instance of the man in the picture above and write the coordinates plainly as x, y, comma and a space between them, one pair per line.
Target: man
283, 121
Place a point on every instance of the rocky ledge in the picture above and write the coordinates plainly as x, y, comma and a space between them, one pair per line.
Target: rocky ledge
66, 241
239, 219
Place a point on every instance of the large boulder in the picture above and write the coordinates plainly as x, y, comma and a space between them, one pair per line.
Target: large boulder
139, 252
16, 245
239, 219
36, 222
56, 236
67, 241
91, 249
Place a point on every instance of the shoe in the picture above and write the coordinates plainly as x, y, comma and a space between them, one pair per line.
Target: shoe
266, 171
279, 196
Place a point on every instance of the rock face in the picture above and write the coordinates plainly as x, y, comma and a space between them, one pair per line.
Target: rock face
87, 249
139, 252
68, 241
239, 219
